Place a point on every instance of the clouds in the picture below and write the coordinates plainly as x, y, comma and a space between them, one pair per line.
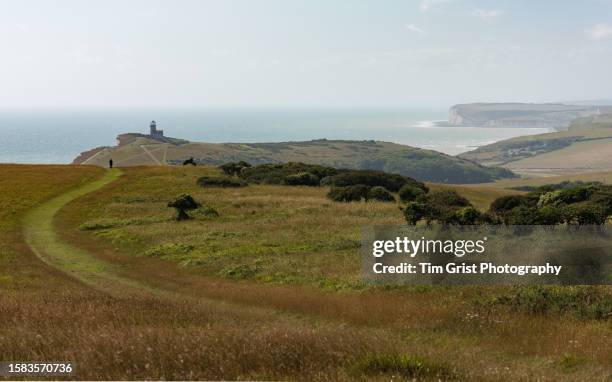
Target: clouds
488, 15
426, 5
597, 32
413, 28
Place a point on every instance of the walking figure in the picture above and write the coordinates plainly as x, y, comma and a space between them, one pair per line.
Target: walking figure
110, 163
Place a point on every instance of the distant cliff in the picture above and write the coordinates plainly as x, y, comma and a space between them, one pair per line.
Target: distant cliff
527, 115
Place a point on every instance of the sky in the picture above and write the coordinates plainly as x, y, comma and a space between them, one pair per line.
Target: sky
302, 53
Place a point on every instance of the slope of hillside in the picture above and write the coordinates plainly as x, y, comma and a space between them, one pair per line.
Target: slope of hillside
585, 147
425, 165
557, 116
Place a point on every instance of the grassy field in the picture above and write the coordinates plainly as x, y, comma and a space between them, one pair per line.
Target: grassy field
584, 148
263, 232
270, 289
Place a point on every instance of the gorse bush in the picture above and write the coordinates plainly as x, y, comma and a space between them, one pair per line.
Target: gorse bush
189, 161
447, 198
410, 192
443, 206
415, 211
349, 194
182, 204
302, 179
225, 182
277, 173
380, 194
585, 214
392, 182
579, 204
465, 216
302, 174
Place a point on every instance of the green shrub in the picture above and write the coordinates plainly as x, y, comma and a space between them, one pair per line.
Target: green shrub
442, 206
414, 212
522, 215
182, 204
585, 213
410, 192
392, 182
550, 215
349, 194
576, 194
380, 194
302, 179
209, 181
447, 198
466, 216
502, 206
276, 173
189, 161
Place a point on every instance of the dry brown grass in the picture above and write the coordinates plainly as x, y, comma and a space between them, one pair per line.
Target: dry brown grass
151, 338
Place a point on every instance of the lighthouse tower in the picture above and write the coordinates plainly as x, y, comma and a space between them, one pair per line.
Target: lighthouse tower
154, 131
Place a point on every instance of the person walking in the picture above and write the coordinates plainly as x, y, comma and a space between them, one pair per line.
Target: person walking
110, 163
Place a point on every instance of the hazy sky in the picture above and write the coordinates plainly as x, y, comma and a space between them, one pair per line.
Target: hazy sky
309, 53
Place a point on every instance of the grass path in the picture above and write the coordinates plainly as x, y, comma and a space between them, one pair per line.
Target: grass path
42, 238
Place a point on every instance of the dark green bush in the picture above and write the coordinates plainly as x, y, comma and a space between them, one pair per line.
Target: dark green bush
465, 216
209, 181
571, 203
302, 179
349, 194
576, 194
443, 206
550, 215
189, 161
522, 215
503, 205
380, 194
414, 212
585, 213
276, 173
392, 182
410, 192
447, 198
182, 204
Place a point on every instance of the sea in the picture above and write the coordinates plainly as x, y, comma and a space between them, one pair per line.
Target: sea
58, 135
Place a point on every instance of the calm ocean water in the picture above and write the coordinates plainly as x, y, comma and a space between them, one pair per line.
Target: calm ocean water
43, 136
